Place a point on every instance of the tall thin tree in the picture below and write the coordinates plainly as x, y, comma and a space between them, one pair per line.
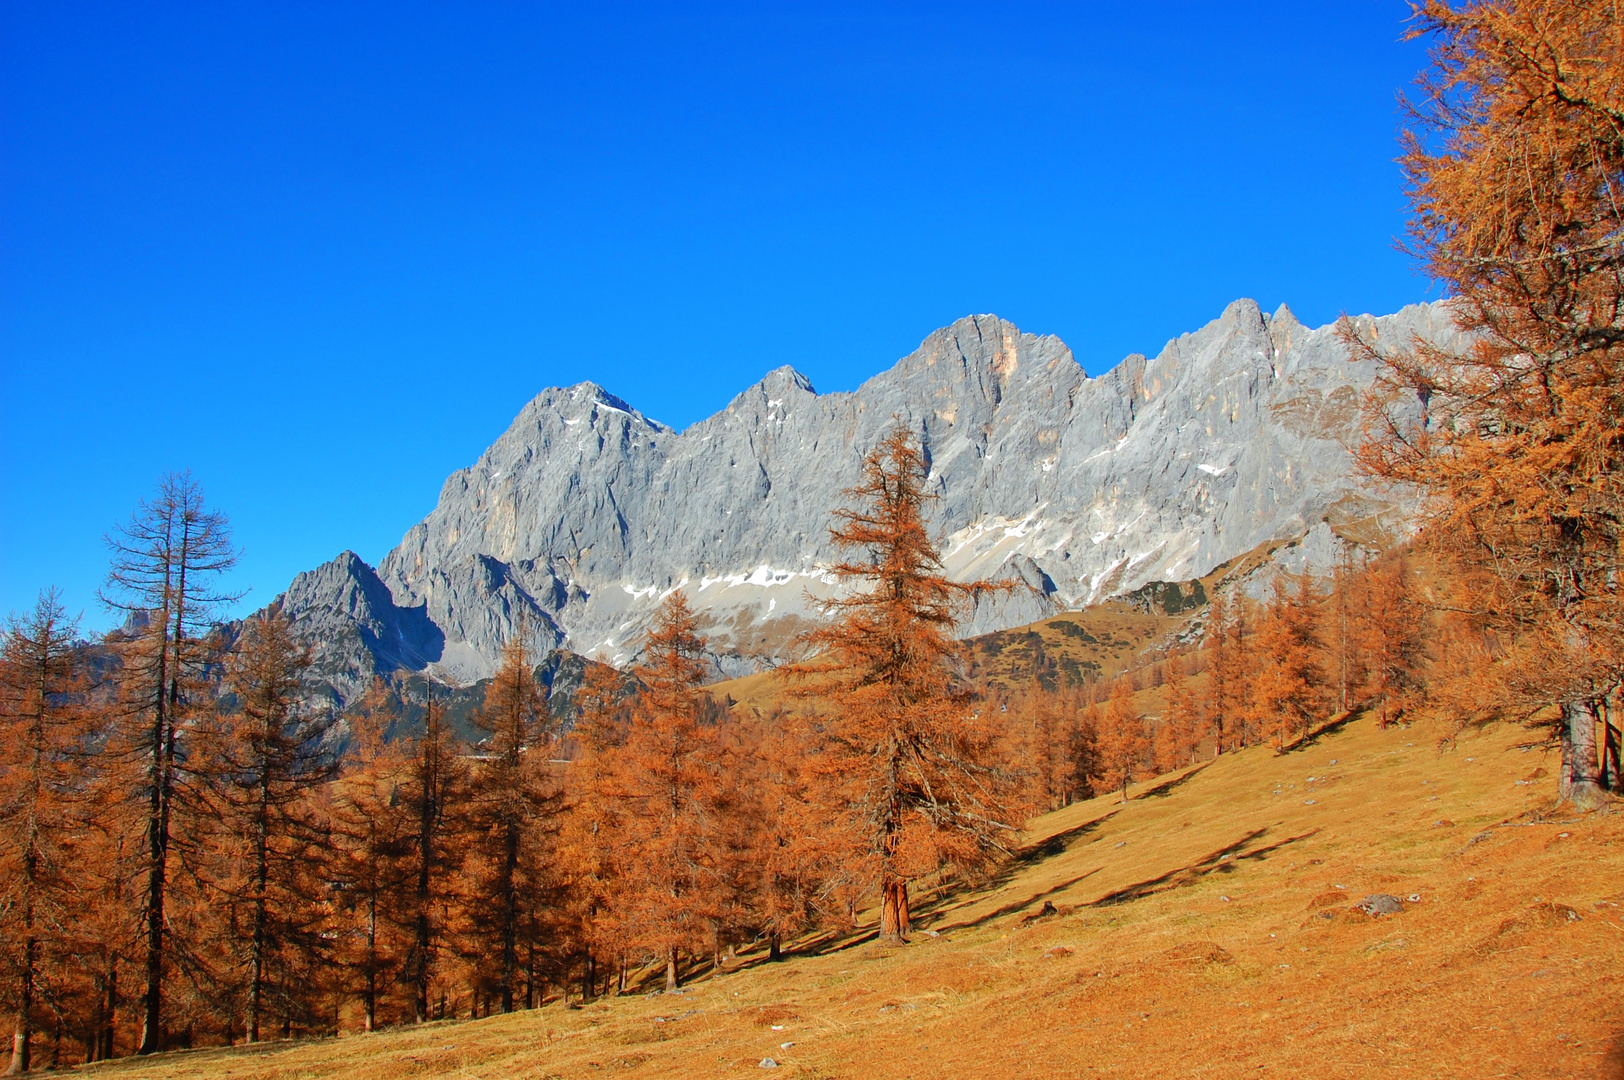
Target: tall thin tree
166, 561
511, 797
267, 758
41, 726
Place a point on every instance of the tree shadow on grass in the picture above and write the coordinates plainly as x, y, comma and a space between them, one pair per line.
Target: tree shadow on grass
1167, 787
1330, 727
1221, 861
1032, 854
1012, 907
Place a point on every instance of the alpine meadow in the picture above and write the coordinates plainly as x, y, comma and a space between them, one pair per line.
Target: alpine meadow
1252, 708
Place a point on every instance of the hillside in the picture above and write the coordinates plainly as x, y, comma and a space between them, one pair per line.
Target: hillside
1206, 928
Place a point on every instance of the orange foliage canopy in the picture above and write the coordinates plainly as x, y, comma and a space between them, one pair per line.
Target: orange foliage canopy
909, 764
1517, 182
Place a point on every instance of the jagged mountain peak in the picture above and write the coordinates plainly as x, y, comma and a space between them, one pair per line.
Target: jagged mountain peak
584, 513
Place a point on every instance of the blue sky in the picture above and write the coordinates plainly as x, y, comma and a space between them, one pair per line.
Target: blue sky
321, 254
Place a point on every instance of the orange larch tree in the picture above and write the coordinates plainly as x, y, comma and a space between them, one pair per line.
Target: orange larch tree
910, 762
1289, 689
594, 820
265, 760
668, 781
371, 831
1516, 171
1391, 629
1121, 740
513, 807
42, 726
165, 564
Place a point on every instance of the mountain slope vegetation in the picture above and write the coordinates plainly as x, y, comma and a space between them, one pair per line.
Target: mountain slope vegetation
1206, 927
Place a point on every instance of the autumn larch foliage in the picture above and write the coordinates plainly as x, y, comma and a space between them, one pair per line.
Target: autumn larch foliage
1516, 174
1120, 741
911, 772
372, 829
165, 564
1289, 685
512, 810
263, 761
42, 723
590, 858
667, 782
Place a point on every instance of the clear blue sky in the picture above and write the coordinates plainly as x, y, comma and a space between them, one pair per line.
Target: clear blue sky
321, 254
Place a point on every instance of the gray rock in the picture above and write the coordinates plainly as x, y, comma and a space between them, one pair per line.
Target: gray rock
1380, 904
585, 513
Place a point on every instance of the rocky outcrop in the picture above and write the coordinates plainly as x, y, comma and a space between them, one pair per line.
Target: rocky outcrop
585, 513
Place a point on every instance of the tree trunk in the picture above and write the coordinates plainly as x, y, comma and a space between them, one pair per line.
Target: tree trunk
22, 1041
256, 958
157, 854
894, 925
510, 912
670, 970
1581, 771
371, 993
1612, 776
773, 953
110, 1009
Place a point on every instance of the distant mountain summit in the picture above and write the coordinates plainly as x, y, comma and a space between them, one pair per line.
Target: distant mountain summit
584, 514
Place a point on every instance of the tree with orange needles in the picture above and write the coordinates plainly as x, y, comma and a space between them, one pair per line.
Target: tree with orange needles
41, 723
593, 822
371, 832
1392, 629
794, 856
1181, 717
435, 781
511, 809
1289, 686
1221, 677
1121, 740
911, 763
265, 759
667, 781
164, 565
1516, 171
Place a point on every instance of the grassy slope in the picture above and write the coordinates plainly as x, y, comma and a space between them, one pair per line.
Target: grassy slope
1201, 933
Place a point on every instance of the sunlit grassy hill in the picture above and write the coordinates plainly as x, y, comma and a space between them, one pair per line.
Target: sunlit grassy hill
1206, 928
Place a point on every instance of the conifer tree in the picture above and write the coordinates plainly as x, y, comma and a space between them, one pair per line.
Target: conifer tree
1220, 674
594, 821
267, 760
912, 765
165, 562
513, 802
1181, 715
435, 781
1514, 167
1392, 630
42, 726
668, 780
1121, 740
372, 832
1289, 685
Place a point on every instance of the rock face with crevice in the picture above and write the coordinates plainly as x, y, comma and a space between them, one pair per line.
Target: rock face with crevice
585, 513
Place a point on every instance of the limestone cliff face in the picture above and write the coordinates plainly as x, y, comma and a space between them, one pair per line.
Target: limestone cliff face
585, 513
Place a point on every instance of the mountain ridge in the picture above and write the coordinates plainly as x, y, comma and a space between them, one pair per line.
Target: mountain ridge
581, 515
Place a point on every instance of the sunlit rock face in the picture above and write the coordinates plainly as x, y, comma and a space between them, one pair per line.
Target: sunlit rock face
585, 513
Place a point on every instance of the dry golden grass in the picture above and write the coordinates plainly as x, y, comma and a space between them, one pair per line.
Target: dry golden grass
1203, 930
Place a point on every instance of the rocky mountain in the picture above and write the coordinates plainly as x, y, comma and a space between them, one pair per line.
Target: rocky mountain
585, 513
